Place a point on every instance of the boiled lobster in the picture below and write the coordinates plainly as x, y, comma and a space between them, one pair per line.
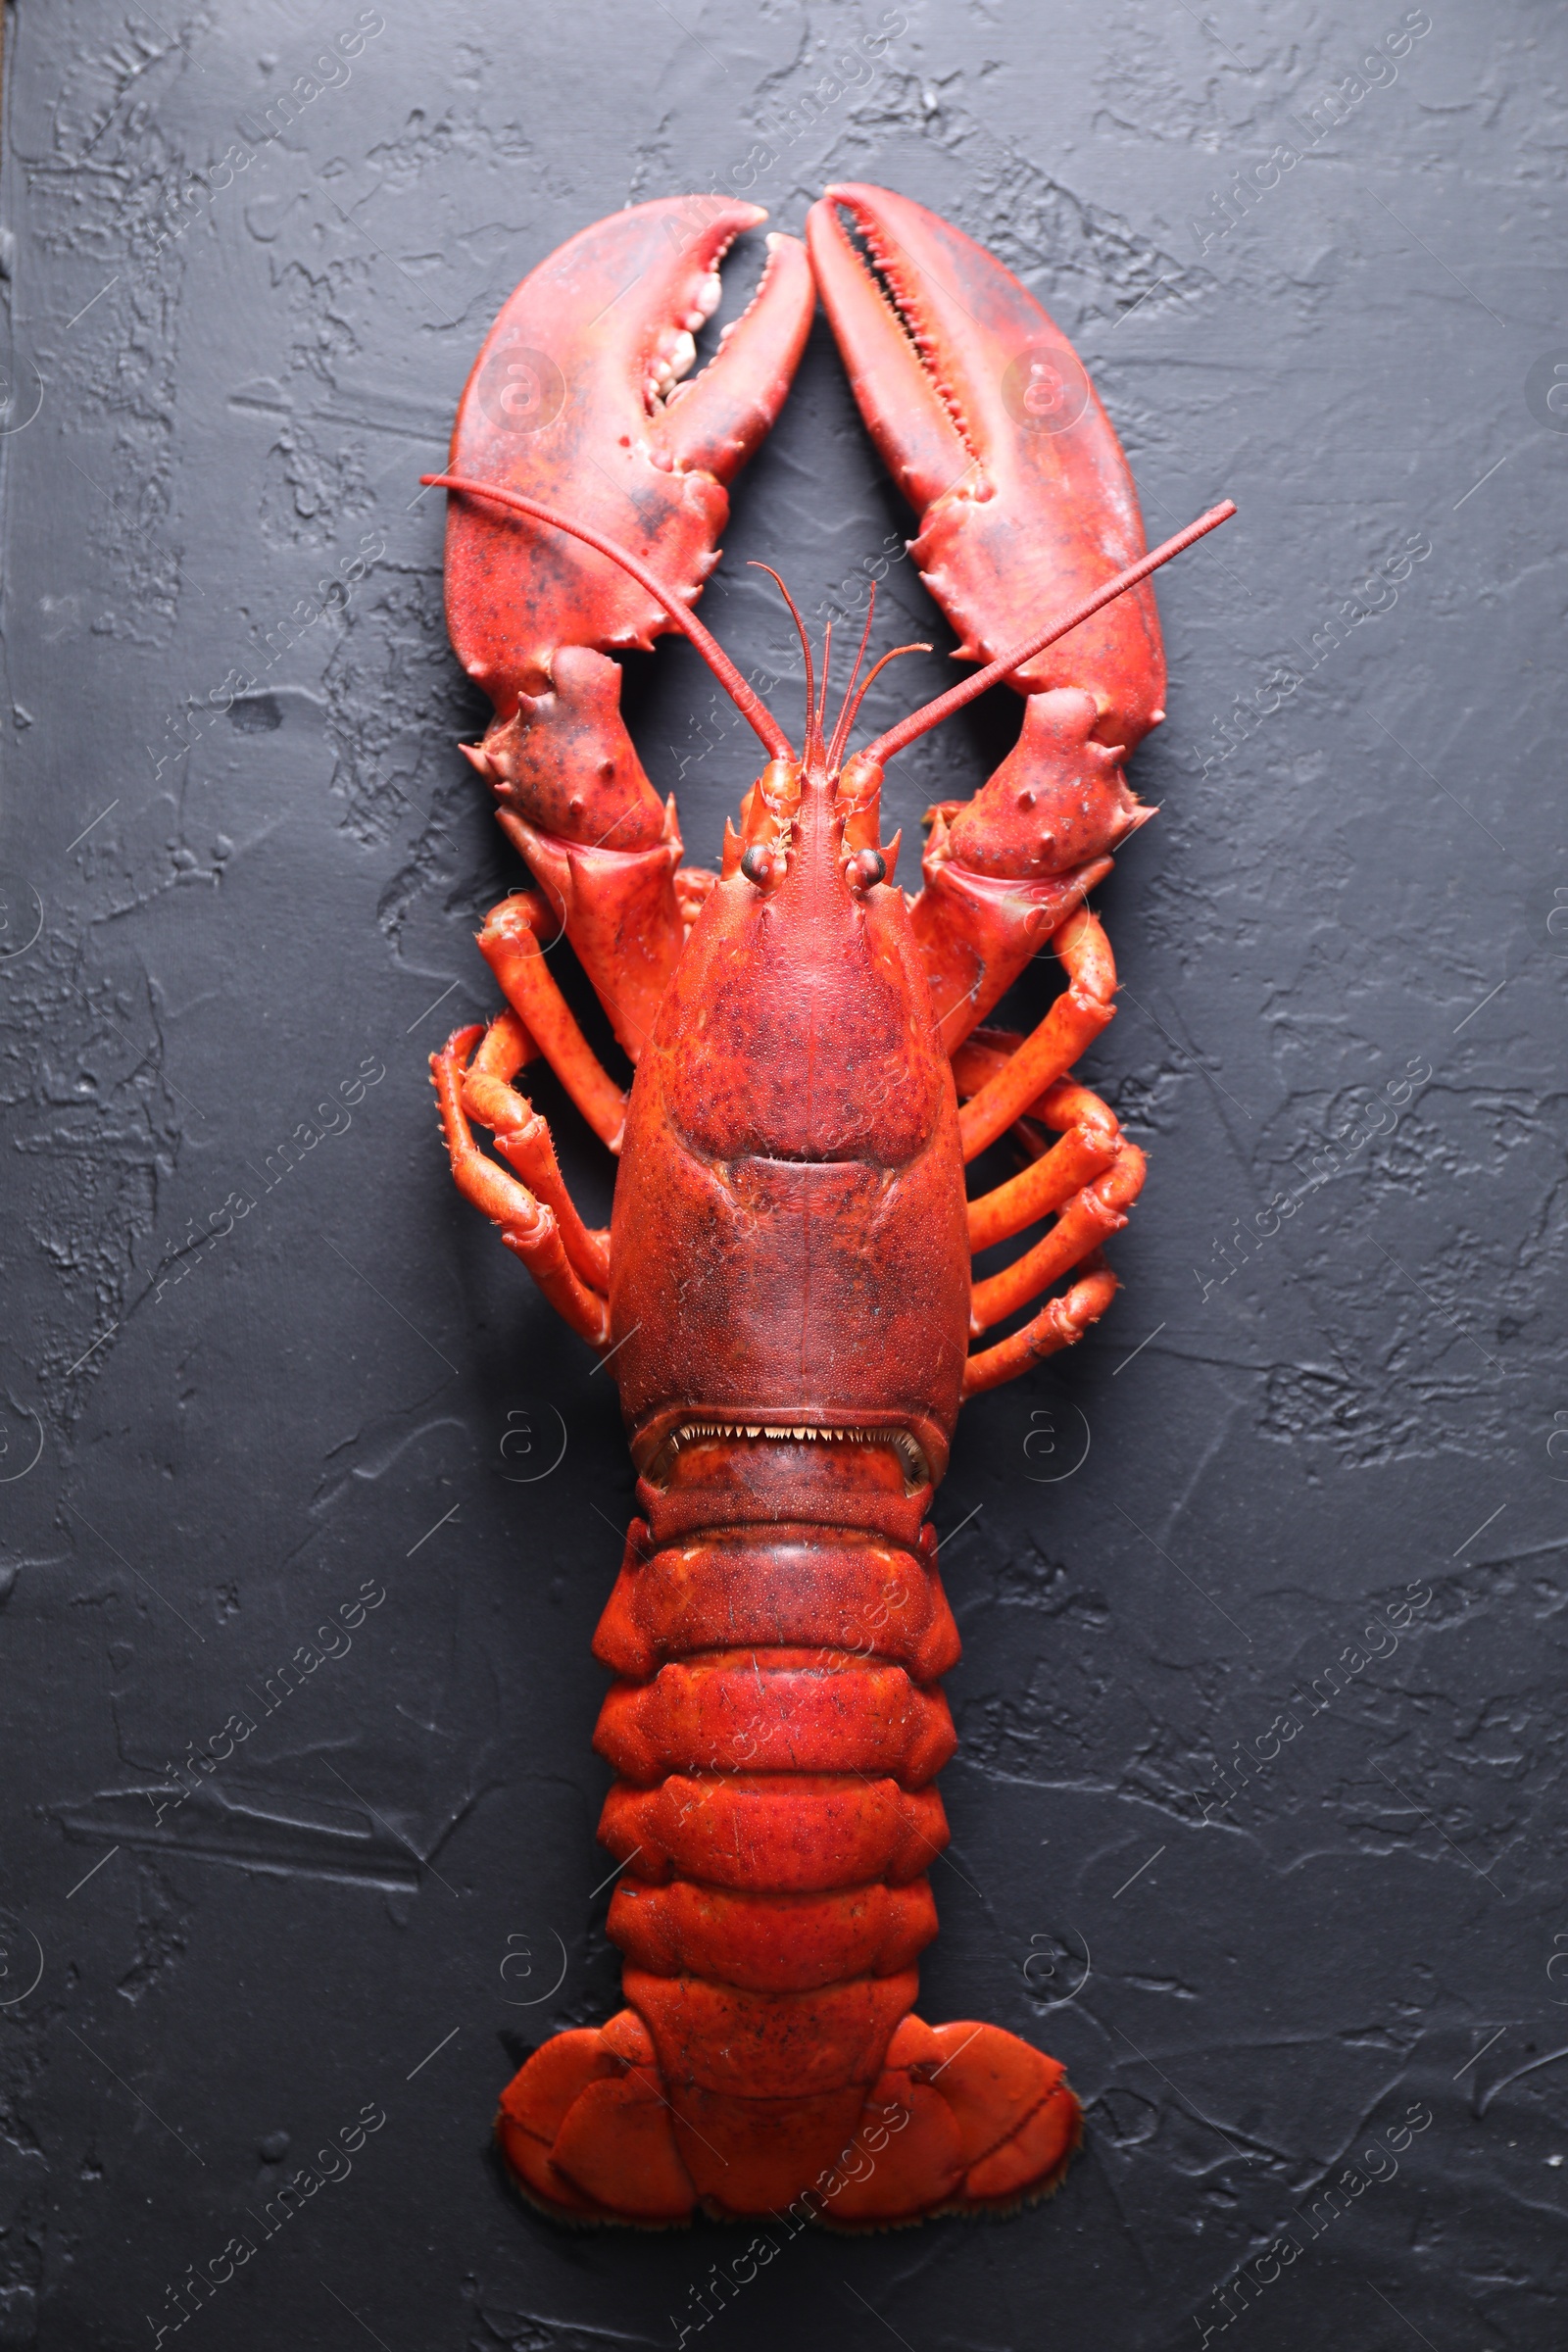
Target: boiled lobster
784, 1290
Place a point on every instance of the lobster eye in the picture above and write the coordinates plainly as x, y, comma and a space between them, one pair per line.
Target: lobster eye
866, 869
758, 866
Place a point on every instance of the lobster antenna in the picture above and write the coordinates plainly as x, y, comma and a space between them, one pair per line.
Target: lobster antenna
920, 723
749, 705
827, 656
814, 733
835, 750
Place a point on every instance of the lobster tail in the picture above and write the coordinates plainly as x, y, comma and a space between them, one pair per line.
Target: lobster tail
776, 1731
776, 1726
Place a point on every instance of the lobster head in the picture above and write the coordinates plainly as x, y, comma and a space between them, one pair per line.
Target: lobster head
790, 1241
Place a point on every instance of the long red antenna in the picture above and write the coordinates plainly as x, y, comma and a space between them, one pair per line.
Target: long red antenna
920, 723
749, 704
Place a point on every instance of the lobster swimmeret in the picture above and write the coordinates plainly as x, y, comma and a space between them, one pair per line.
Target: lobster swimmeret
785, 1285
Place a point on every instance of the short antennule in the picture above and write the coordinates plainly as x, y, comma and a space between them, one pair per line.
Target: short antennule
747, 701
814, 726
835, 750
852, 709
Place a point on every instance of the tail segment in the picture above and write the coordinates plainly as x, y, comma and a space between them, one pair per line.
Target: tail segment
776, 1726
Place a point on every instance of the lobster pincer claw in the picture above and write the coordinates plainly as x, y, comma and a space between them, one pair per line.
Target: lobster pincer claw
985, 414
986, 417
580, 399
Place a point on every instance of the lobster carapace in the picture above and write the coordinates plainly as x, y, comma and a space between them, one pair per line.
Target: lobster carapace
784, 1291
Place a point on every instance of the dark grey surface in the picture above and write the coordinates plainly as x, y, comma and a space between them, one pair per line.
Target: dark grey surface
202, 429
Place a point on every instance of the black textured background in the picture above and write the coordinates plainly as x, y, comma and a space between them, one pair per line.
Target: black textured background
243, 866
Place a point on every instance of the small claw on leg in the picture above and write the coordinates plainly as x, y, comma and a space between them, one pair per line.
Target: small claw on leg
1088, 1219
510, 945
1008, 1079
524, 1139
1087, 1147
1074, 1021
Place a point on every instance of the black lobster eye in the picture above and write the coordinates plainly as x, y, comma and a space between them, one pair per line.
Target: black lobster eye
866, 868
758, 866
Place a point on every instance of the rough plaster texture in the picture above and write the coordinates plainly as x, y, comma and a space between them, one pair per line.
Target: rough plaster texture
243, 866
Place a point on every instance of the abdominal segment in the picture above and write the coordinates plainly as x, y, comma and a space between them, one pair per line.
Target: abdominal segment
776, 1726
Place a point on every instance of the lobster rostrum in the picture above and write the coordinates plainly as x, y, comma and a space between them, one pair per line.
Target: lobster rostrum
785, 1289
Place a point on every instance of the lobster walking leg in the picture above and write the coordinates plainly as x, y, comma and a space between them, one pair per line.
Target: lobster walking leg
1092, 1142
527, 1227
510, 945
1089, 1216
524, 1139
1060, 1323
1093, 1148
1087, 1147
1084, 1223
1074, 1020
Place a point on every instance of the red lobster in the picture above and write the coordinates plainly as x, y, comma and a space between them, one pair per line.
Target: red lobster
785, 1285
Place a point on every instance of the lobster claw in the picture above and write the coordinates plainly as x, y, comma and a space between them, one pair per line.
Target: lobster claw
986, 417
579, 400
